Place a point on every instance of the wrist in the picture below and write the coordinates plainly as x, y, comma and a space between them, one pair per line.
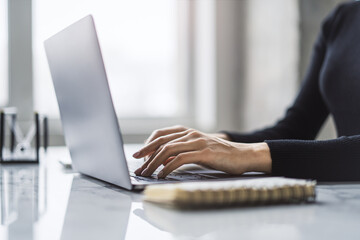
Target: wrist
261, 158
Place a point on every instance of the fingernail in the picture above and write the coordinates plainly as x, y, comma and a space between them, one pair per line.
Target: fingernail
136, 154
160, 174
145, 172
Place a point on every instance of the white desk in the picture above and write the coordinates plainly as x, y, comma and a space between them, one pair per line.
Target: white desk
48, 202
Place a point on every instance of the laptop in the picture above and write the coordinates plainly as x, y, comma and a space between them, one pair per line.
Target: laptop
89, 121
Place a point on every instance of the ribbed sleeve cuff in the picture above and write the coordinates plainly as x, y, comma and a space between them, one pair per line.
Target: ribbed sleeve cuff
278, 158
292, 158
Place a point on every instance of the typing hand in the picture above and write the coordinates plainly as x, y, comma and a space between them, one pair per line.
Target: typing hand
176, 146
171, 130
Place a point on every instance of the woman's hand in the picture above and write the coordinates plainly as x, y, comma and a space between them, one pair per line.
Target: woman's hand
176, 146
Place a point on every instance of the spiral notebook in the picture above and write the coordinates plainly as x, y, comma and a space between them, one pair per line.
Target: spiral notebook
259, 191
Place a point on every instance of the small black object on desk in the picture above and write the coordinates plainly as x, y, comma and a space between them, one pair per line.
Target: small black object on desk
15, 147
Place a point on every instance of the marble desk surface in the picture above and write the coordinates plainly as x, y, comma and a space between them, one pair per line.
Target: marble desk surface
49, 202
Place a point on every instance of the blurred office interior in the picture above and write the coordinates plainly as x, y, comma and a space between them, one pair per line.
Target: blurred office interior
206, 64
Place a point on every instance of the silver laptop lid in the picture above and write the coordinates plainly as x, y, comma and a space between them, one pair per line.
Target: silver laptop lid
89, 121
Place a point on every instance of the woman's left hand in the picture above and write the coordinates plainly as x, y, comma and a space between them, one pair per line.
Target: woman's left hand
192, 146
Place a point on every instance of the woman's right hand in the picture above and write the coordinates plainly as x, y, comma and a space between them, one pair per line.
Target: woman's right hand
176, 146
175, 129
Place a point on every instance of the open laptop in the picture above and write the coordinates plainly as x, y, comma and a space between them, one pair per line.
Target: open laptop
89, 121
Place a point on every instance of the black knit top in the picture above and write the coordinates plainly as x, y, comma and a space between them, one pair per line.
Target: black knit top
331, 86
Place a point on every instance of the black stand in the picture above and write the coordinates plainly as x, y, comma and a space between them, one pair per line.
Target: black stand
19, 148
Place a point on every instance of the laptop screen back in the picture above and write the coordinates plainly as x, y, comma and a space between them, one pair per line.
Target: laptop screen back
89, 121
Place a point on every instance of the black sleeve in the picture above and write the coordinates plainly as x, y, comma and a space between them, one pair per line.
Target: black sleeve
332, 160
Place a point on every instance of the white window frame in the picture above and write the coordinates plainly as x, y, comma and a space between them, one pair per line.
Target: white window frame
5, 92
212, 104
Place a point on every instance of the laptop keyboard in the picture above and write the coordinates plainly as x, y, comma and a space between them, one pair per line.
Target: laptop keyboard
174, 176
147, 179
177, 175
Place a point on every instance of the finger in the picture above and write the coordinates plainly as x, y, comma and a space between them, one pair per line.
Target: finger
139, 170
178, 161
155, 144
148, 158
151, 156
185, 138
146, 163
168, 151
186, 135
165, 131
168, 160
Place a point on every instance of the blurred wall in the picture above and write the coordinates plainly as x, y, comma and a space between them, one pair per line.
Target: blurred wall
271, 43
271, 67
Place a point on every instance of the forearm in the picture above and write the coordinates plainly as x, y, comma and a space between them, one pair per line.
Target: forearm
257, 154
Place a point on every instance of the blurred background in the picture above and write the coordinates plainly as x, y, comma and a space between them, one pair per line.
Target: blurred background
208, 64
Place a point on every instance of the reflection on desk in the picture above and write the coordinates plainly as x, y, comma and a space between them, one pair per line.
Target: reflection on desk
47, 202
18, 192
91, 211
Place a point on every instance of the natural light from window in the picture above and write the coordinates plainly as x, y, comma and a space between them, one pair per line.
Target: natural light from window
139, 41
3, 53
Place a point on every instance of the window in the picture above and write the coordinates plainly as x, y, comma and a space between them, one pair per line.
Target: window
174, 61
140, 45
3, 53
